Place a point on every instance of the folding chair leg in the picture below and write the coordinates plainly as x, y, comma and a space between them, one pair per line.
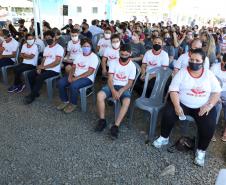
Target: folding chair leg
131, 112
4, 75
117, 109
83, 100
50, 89
153, 124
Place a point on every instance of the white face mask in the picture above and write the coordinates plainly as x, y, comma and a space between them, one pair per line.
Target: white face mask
30, 42
107, 35
116, 45
75, 38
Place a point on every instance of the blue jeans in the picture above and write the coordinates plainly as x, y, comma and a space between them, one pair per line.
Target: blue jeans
6, 62
107, 91
73, 88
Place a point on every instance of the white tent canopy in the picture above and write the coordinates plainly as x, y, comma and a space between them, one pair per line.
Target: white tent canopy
17, 3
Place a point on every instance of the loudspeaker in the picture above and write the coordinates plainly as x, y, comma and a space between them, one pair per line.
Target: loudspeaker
65, 10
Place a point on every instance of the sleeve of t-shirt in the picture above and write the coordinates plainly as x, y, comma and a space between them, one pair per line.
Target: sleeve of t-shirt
176, 81
60, 51
145, 61
177, 63
215, 85
106, 51
132, 73
15, 46
23, 50
165, 60
214, 69
94, 62
69, 47
207, 63
112, 68
99, 42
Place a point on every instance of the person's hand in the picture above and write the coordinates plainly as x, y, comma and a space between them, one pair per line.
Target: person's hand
40, 67
142, 77
121, 91
39, 71
179, 111
115, 94
205, 109
70, 79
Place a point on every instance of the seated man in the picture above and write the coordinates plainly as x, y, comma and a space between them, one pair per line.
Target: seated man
81, 75
9, 46
153, 58
73, 49
120, 79
104, 42
49, 67
29, 54
110, 54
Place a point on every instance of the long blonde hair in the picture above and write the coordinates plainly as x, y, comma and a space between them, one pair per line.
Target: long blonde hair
211, 46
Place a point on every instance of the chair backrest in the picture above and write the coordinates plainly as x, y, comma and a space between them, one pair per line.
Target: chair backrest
138, 70
18, 53
162, 75
98, 65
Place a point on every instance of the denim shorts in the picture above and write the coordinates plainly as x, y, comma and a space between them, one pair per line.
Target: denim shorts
107, 91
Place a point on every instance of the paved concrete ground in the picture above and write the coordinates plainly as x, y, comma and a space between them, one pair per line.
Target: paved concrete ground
40, 145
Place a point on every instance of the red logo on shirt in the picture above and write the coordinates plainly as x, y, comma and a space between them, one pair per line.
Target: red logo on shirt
121, 76
112, 57
74, 51
198, 91
152, 63
81, 65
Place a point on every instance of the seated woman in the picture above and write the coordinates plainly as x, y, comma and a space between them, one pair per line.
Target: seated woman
219, 69
29, 54
138, 49
81, 75
194, 91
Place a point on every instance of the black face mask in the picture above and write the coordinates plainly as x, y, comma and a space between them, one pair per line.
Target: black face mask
49, 41
83, 28
124, 59
157, 47
195, 66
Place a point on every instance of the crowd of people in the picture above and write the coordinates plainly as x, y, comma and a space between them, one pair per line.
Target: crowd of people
196, 55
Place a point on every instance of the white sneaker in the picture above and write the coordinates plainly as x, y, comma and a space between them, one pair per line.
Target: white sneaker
158, 143
200, 157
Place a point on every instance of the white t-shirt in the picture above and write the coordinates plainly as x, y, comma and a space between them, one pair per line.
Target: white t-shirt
122, 73
216, 69
182, 62
10, 47
153, 60
40, 44
84, 63
74, 49
103, 44
112, 55
30, 50
194, 92
51, 53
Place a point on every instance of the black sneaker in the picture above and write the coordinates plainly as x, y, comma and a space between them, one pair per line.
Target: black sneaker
29, 99
114, 132
13, 88
101, 125
20, 88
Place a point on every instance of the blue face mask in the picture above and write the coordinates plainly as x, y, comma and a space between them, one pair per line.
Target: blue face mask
86, 50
